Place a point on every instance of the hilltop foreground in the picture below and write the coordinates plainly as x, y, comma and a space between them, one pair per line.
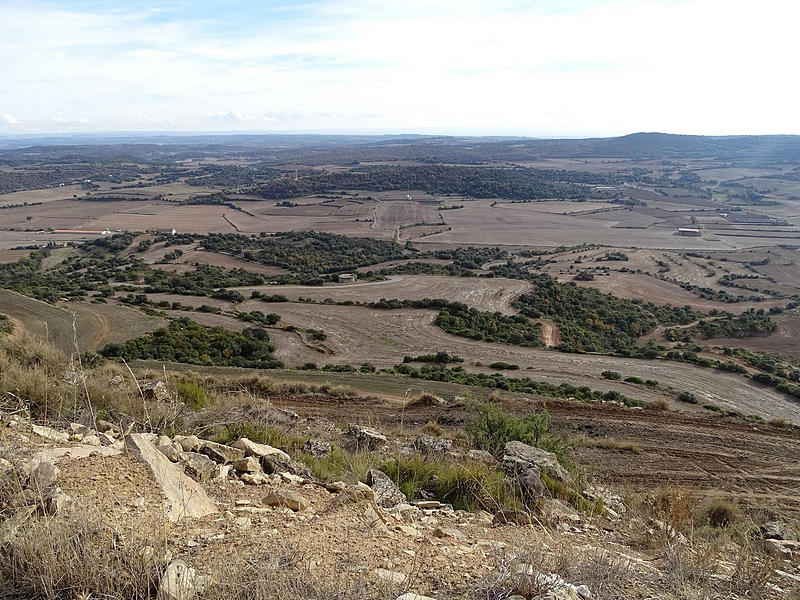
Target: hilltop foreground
118, 485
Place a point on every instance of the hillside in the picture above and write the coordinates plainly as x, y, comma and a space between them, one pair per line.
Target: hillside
157, 484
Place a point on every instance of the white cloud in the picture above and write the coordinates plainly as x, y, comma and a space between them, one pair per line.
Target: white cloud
9, 119
692, 66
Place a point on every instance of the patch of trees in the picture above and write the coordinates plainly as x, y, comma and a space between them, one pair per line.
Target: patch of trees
747, 324
613, 256
591, 321
442, 358
205, 280
478, 182
305, 251
185, 341
230, 175
55, 175
424, 268
523, 385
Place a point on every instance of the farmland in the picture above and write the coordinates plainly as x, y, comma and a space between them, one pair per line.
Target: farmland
94, 325
420, 222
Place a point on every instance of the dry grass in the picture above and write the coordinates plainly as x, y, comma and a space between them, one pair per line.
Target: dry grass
281, 574
77, 558
528, 571
605, 443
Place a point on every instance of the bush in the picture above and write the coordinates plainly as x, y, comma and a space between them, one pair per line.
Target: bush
192, 394
613, 375
467, 486
494, 428
634, 379
688, 397
500, 365
719, 513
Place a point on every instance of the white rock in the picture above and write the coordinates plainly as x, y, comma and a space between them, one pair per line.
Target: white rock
181, 582
50, 434
258, 450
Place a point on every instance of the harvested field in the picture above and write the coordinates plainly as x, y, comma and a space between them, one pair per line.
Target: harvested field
480, 223
96, 324
786, 340
215, 259
12, 256
657, 291
357, 335
398, 213
41, 195
492, 294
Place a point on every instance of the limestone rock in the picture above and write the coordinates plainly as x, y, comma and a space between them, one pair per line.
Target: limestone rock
519, 457
189, 443
197, 466
291, 500
365, 438
775, 530
391, 576
316, 448
74, 452
44, 475
248, 464
279, 462
432, 446
482, 456
185, 497
116, 381
387, 494
251, 448
50, 434
155, 390
413, 596
170, 452
253, 478
91, 440
447, 532
220, 453
181, 582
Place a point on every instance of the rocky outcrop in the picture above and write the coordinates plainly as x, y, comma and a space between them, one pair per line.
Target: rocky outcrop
155, 391
519, 457
316, 448
181, 582
220, 453
432, 446
197, 466
364, 438
291, 500
251, 448
185, 497
387, 494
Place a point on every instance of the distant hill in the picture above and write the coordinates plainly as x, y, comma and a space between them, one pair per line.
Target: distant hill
274, 149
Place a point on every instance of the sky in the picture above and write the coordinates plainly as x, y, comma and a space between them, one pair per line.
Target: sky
544, 68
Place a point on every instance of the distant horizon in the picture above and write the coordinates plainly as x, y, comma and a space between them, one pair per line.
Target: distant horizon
356, 133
